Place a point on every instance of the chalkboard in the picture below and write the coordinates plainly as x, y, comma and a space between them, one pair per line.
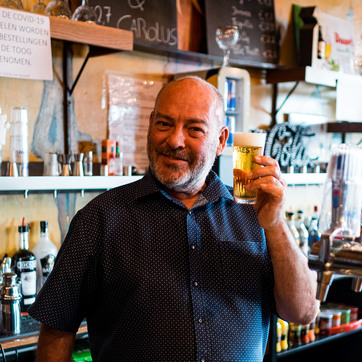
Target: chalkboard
256, 22
152, 21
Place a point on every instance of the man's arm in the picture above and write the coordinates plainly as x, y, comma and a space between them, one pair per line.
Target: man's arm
54, 345
295, 284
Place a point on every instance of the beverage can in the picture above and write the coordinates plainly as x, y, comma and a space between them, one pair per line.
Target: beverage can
230, 95
230, 124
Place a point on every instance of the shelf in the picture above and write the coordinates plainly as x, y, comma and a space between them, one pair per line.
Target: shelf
344, 127
59, 183
197, 57
319, 341
91, 34
306, 74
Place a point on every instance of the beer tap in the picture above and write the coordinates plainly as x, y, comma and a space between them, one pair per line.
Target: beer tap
338, 252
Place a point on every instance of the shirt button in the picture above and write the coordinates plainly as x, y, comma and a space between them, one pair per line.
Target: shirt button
190, 212
201, 320
196, 284
203, 360
193, 247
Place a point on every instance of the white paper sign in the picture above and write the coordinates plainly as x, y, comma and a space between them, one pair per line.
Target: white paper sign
25, 45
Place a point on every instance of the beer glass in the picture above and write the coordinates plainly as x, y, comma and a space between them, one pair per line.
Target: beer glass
246, 147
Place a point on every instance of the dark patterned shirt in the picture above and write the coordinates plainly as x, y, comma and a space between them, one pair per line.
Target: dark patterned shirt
159, 282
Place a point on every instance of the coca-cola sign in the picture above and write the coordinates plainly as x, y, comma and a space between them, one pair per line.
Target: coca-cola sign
287, 143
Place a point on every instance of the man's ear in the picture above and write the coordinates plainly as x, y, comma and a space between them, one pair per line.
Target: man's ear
224, 134
150, 120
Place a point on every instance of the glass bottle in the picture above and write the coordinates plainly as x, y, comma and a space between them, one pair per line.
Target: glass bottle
278, 347
295, 334
314, 233
303, 232
285, 332
292, 227
321, 44
24, 265
45, 252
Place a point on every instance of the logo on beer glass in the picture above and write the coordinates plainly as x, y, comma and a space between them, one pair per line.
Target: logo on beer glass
246, 147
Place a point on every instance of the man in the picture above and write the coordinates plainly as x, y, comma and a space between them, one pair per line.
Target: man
169, 268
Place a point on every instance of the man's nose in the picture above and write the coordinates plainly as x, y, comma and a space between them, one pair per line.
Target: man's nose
176, 138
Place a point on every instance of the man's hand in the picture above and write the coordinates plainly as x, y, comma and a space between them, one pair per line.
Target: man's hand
271, 191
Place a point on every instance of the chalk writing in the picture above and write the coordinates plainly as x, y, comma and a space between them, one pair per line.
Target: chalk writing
149, 22
256, 23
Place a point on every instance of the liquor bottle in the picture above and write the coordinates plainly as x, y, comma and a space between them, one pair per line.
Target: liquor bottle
45, 252
321, 44
303, 232
292, 227
314, 233
118, 161
24, 265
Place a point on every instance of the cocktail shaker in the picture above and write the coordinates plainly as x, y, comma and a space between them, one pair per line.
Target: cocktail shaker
10, 305
64, 160
78, 164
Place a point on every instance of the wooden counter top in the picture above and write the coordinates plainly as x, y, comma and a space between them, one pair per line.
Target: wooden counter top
20, 341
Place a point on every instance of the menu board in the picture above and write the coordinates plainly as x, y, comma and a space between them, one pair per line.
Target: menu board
256, 22
151, 21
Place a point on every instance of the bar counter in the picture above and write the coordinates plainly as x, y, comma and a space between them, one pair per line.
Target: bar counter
29, 334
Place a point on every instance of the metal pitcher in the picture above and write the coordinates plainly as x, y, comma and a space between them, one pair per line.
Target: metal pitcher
10, 305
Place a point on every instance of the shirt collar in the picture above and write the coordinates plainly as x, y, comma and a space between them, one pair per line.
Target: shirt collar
215, 188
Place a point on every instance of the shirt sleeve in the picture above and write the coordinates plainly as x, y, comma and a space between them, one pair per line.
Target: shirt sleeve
70, 289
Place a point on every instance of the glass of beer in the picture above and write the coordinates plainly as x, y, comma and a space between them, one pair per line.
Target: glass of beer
246, 146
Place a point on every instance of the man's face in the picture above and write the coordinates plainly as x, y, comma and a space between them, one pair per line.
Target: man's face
183, 137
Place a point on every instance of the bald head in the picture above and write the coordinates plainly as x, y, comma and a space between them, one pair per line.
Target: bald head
188, 83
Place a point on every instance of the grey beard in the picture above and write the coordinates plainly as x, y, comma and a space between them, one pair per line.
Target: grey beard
191, 182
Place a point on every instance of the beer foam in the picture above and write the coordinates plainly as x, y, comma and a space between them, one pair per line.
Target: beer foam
249, 139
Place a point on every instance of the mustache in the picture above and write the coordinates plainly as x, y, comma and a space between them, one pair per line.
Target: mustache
176, 153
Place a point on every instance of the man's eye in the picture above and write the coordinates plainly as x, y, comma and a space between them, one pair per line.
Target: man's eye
196, 132
163, 124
